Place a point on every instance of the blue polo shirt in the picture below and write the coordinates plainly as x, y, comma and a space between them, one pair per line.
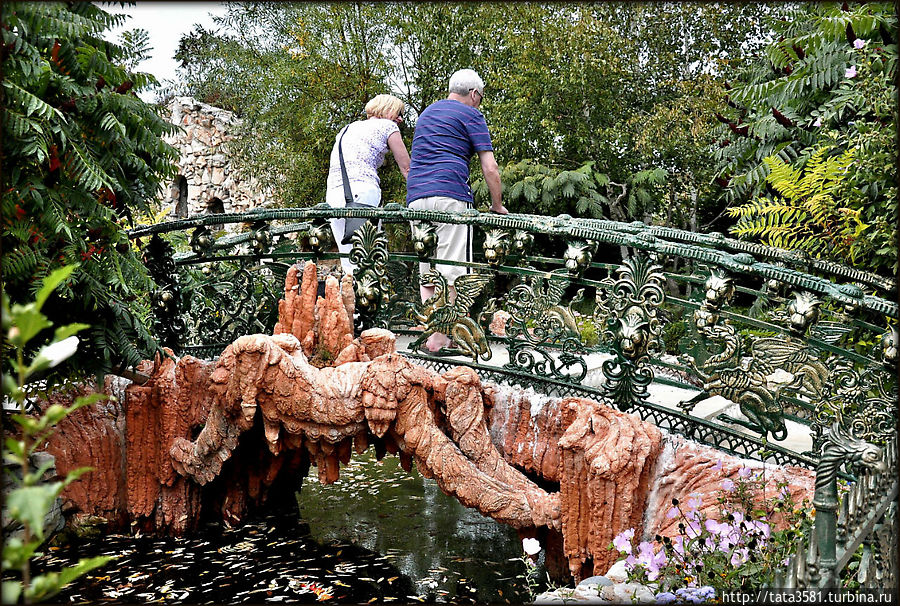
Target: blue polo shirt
448, 133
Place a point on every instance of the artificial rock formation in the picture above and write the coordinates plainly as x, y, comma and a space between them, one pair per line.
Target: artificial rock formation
617, 472
220, 438
601, 458
689, 469
325, 411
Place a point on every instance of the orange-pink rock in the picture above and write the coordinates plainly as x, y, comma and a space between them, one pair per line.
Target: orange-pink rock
694, 470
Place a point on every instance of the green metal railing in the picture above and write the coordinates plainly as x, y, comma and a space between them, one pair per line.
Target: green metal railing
785, 337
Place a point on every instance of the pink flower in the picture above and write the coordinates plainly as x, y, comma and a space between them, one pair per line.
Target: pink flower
818, 122
851, 72
714, 527
672, 513
859, 43
744, 472
727, 485
693, 530
694, 502
740, 556
622, 542
678, 545
645, 550
718, 465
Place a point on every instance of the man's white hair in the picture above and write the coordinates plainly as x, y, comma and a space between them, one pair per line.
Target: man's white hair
464, 80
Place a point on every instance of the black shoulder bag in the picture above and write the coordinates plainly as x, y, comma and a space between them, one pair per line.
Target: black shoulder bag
351, 224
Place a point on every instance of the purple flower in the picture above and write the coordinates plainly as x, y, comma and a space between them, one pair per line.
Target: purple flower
622, 542
631, 562
678, 545
672, 513
851, 72
651, 561
694, 502
693, 530
645, 551
714, 527
718, 465
725, 544
859, 43
744, 472
818, 122
665, 597
740, 556
784, 492
706, 592
761, 527
727, 485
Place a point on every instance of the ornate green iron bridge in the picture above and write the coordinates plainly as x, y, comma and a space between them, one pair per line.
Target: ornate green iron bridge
782, 335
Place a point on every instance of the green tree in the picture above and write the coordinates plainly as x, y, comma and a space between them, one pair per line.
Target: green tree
567, 85
295, 74
81, 153
826, 81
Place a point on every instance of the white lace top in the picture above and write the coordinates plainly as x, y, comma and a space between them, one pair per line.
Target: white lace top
365, 146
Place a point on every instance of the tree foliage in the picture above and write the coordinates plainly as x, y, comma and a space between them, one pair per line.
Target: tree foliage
81, 152
28, 497
804, 213
627, 87
295, 74
826, 82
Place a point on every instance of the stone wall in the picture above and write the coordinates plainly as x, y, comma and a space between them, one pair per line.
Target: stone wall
206, 180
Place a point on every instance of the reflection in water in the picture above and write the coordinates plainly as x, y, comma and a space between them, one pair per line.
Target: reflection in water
378, 535
450, 552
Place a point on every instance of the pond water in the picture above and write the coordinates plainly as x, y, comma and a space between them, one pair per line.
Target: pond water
379, 534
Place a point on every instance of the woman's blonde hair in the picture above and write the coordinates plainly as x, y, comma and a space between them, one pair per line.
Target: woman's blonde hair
384, 106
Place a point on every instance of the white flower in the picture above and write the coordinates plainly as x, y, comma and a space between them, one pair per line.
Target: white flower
58, 352
531, 546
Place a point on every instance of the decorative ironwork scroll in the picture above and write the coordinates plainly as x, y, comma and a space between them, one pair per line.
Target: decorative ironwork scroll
543, 338
776, 365
628, 310
370, 283
225, 306
165, 300
451, 318
866, 400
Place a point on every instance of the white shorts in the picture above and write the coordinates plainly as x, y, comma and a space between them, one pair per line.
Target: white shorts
454, 240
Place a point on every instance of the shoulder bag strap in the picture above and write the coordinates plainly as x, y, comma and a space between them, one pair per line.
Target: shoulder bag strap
348, 195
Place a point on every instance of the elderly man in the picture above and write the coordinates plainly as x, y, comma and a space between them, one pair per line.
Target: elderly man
447, 134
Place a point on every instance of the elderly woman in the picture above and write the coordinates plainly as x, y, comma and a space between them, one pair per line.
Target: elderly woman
364, 145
